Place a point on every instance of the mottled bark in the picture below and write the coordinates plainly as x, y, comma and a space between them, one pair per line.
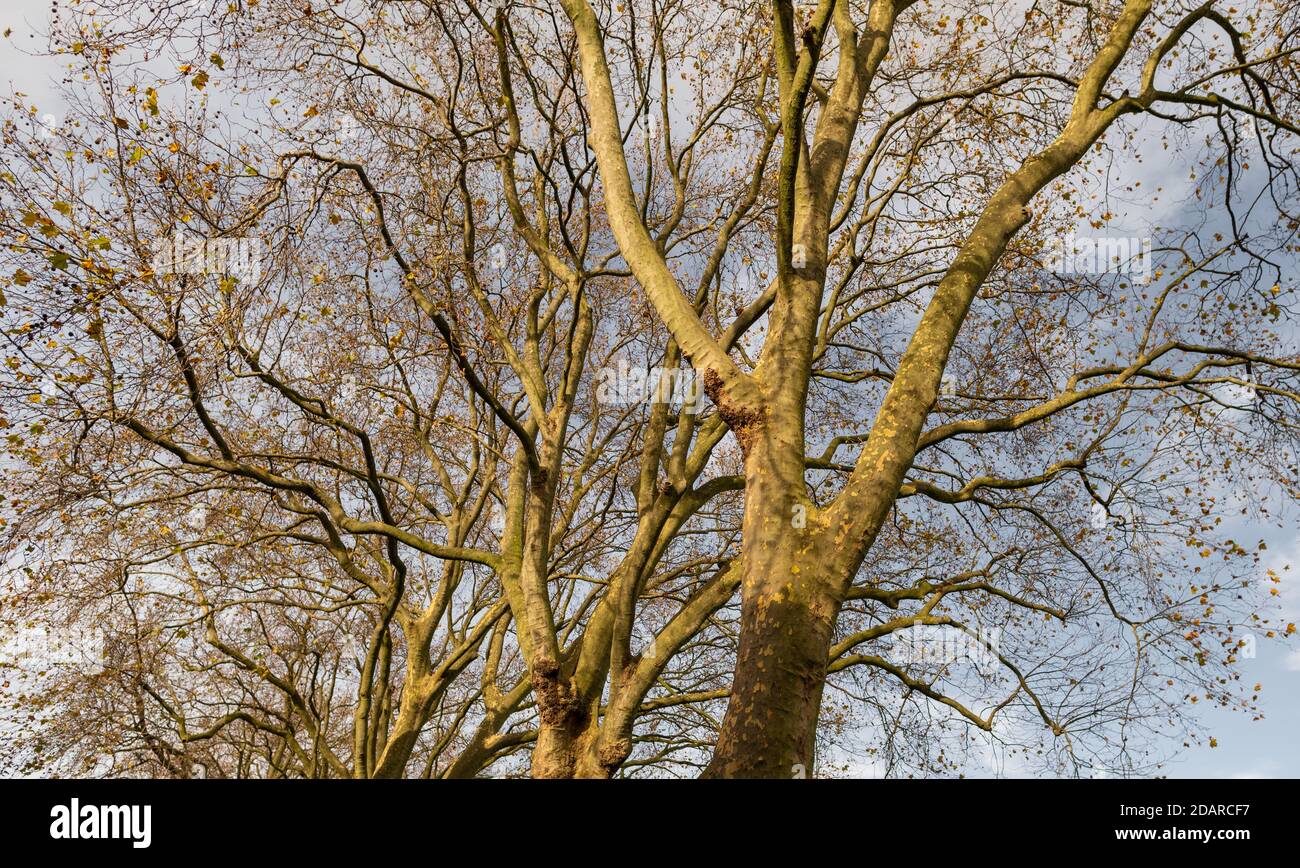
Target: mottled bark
790, 599
771, 722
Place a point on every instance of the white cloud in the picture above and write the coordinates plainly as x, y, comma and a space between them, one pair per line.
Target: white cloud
1292, 662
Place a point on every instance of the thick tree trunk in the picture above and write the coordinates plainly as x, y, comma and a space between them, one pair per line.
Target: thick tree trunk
565, 727
555, 753
790, 598
785, 637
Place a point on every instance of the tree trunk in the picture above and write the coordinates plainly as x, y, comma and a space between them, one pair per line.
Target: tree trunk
397, 752
565, 726
785, 637
790, 599
412, 713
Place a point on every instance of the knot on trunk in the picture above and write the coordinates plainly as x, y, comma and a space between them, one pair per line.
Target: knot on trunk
612, 754
743, 421
557, 699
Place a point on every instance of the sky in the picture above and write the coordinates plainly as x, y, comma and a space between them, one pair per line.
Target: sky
1245, 748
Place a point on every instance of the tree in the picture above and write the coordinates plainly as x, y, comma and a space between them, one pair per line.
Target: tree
352, 473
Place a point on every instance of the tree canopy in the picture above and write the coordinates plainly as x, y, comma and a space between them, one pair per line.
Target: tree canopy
646, 387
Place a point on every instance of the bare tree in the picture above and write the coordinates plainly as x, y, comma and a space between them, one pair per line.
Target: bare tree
353, 357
